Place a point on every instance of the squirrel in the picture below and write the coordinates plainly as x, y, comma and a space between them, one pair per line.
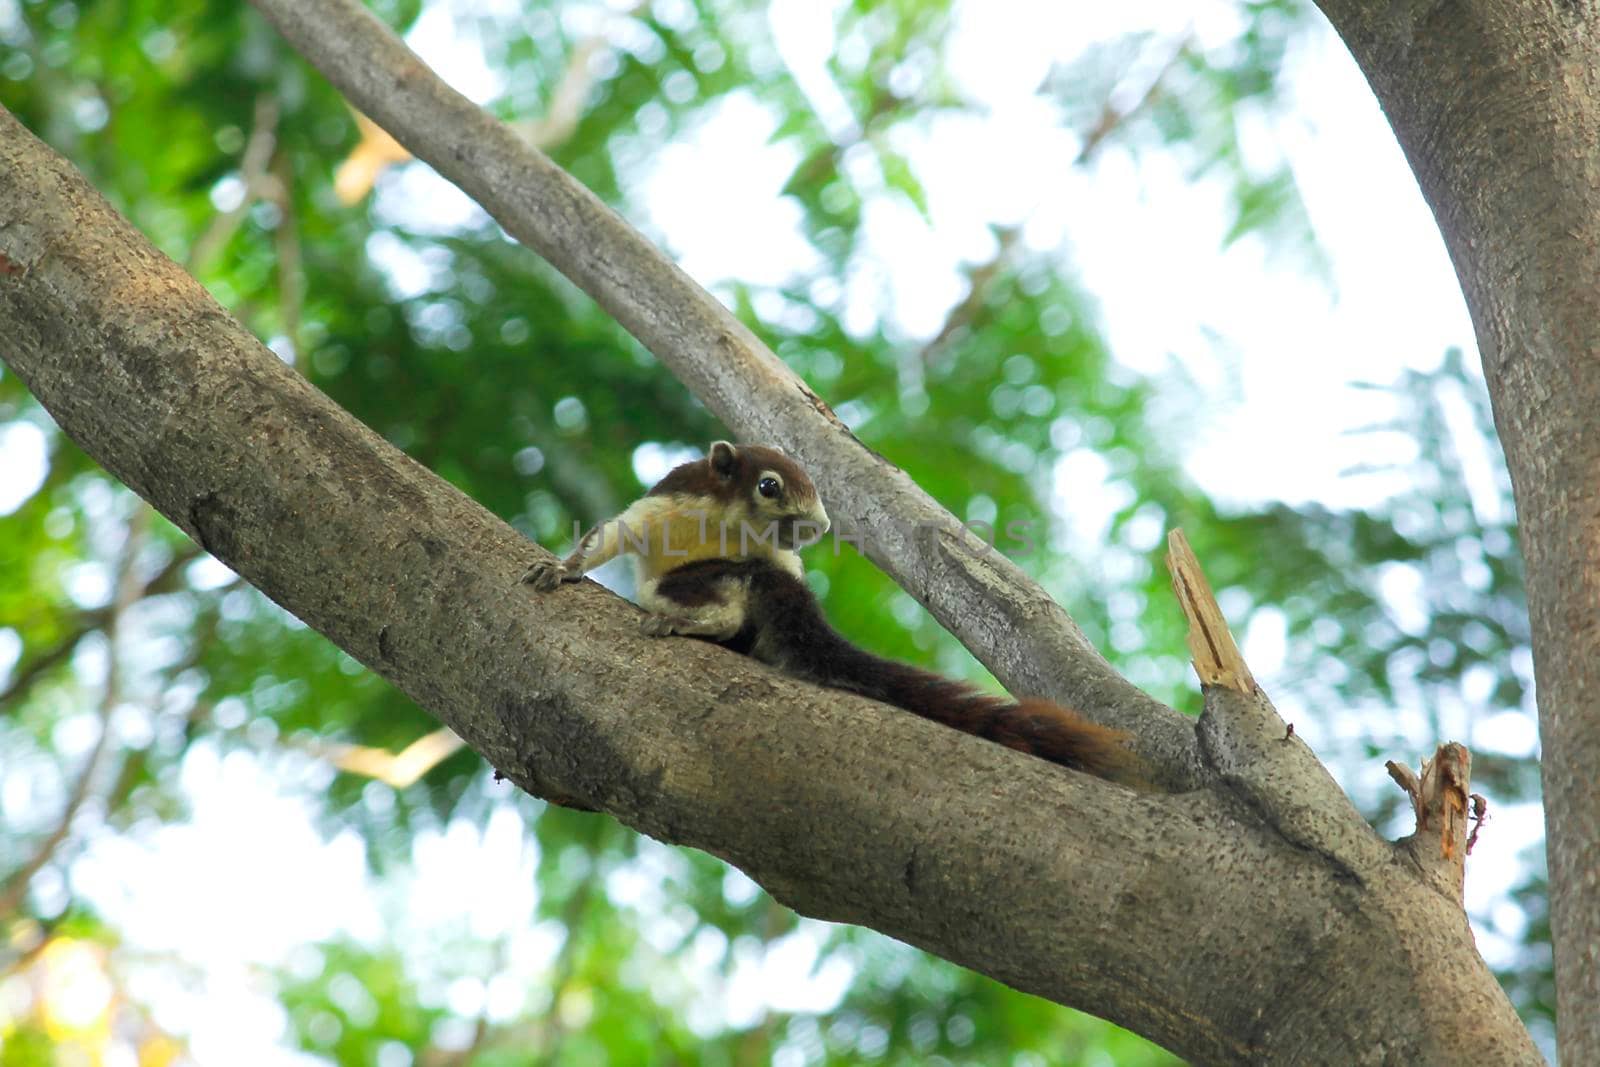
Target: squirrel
717, 542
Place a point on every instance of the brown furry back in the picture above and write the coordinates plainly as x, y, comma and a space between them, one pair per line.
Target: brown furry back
784, 626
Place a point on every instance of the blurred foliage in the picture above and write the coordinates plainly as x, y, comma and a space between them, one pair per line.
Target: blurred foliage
473, 356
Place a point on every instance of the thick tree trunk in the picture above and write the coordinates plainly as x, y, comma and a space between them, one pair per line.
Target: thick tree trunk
1257, 919
1497, 106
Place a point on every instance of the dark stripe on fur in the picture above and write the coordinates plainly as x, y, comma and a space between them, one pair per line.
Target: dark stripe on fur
701, 478
784, 626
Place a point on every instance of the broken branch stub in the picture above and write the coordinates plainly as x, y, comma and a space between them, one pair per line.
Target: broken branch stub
1441, 803
1212, 649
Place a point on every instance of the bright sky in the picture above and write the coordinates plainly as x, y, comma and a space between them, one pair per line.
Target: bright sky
1143, 237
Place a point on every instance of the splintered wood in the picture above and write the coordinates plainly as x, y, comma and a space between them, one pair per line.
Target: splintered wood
1443, 808
1440, 798
1216, 658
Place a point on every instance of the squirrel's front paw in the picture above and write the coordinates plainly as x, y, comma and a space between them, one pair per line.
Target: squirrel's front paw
547, 574
654, 625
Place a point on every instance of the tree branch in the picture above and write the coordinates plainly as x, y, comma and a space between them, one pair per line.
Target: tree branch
1008, 622
87, 622
1497, 106
1440, 801
399, 770
1183, 917
981, 277
126, 590
1255, 755
36, 668
254, 176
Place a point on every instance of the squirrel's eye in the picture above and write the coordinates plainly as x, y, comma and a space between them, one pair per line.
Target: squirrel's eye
768, 487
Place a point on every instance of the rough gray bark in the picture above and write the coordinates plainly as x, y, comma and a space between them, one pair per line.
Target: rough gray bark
1255, 920
997, 611
1497, 106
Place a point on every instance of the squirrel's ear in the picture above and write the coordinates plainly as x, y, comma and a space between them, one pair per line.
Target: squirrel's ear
724, 458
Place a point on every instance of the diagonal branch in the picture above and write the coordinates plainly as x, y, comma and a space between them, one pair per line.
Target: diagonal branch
255, 176
377, 150
981, 277
997, 611
399, 770
40, 664
127, 589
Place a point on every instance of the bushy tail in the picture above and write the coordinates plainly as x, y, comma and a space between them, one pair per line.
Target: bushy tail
1032, 725
786, 628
